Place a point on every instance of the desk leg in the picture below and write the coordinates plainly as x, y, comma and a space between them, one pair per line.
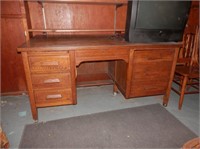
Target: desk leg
33, 106
115, 89
73, 76
167, 94
29, 85
34, 113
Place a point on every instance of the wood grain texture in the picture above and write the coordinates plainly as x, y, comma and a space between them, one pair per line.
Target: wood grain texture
79, 16
44, 98
54, 55
94, 15
29, 85
50, 79
73, 76
12, 36
148, 72
85, 12
100, 67
11, 7
12, 72
151, 71
89, 1
121, 17
193, 18
94, 73
84, 42
49, 64
58, 80
121, 75
89, 15
192, 144
35, 19
101, 55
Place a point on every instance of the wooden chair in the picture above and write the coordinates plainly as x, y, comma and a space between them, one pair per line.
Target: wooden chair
192, 144
3, 139
187, 69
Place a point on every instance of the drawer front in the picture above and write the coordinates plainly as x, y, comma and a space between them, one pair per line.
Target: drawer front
62, 80
153, 55
53, 97
146, 88
49, 64
152, 70
103, 54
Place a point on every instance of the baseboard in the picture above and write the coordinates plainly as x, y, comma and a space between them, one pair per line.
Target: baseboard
14, 93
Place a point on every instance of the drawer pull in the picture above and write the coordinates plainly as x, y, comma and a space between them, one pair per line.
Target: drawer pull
52, 81
55, 96
53, 63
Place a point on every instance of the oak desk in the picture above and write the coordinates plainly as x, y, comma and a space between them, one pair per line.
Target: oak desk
139, 69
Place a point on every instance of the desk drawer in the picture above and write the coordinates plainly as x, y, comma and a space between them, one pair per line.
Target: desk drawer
152, 70
102, 54
49, 64
62, 80
153, 55
53, 97
146, 88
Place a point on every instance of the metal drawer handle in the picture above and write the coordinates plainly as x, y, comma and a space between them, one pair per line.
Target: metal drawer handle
54, 96
53, 63
52, 81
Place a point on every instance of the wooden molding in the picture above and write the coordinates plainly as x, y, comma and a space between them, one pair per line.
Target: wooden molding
15, 93
89, 1
14, 16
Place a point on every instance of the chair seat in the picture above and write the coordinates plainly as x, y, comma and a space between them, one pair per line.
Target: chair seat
187, 71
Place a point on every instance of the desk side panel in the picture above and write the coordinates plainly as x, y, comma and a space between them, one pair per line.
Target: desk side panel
151, 71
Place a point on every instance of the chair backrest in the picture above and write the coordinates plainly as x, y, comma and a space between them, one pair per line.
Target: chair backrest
195, 54
187, 51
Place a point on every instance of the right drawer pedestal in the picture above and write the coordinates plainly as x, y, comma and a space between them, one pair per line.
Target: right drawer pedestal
148, 72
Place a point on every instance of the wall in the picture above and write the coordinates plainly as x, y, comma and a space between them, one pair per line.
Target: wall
12, 35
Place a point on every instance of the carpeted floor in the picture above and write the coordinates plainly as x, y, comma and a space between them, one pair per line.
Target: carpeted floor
149, 126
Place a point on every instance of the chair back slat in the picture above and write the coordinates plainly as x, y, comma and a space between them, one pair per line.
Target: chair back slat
195, 54
189, 48
189, 43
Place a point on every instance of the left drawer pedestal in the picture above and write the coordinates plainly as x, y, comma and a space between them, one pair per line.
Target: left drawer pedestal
49, 79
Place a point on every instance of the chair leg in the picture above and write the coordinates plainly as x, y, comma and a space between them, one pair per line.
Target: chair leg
181, 82
185, 79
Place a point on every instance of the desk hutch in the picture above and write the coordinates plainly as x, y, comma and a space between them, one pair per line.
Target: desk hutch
51, 62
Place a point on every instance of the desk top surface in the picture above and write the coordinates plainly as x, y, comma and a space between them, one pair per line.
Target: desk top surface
57, 43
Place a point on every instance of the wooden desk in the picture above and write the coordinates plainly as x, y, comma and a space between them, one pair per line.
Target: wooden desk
139, 69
